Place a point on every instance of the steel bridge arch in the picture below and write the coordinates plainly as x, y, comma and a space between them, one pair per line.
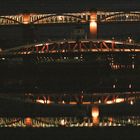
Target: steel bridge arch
121, 14
97, 45
10, 19
10, 121
56, 15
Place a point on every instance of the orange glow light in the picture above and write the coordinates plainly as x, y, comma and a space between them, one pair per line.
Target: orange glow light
72, 103
110, 119
95, 115
26, 18
95, 112
28, 121
93, 28
93, 25
95, 121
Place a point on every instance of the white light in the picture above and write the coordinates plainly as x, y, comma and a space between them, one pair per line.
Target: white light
114, 86
60, 18
133, 66
93, 24
129, 120
48, 102
76, 58
131, 102
40, 101
99, 101
95, 112
38, 45
130, 40
25, 22
109, 102
108, 41
119, 100
62, 122
63, 102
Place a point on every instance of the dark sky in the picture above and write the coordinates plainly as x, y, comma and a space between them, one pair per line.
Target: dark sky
20, 6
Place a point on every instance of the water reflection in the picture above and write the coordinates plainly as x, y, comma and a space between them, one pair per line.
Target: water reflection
74, 98
95, 115
47, 122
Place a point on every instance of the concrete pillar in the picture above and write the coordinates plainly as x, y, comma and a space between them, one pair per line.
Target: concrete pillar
93, 25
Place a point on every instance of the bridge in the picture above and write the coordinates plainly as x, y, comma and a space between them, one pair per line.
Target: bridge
93, 18
83, 17
81, 46
83, 98
74, 98
47, 122
91, 109
108, 51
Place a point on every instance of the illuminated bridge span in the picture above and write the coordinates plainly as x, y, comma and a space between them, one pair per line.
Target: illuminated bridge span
83, 46
84, 17
113, 54
45, 122
70, 99
90, 18
83, 98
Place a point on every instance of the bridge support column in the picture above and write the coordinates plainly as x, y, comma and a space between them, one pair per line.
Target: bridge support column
26, 18
93, 25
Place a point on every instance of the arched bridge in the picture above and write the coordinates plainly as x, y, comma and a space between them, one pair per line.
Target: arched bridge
83, 17
108, 53
72, 46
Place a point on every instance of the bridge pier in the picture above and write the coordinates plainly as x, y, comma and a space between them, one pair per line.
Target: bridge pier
26, 18
93, 25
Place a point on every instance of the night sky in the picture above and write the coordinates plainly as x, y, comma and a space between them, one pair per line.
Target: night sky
27, 6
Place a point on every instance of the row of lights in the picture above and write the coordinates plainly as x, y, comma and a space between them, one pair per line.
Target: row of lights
113, 101
129, 86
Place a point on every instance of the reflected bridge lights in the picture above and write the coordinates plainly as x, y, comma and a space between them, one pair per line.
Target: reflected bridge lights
131, 102
130, 40
43, 100
115, 101
85, 99
62, 122
28, 122
95, 115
